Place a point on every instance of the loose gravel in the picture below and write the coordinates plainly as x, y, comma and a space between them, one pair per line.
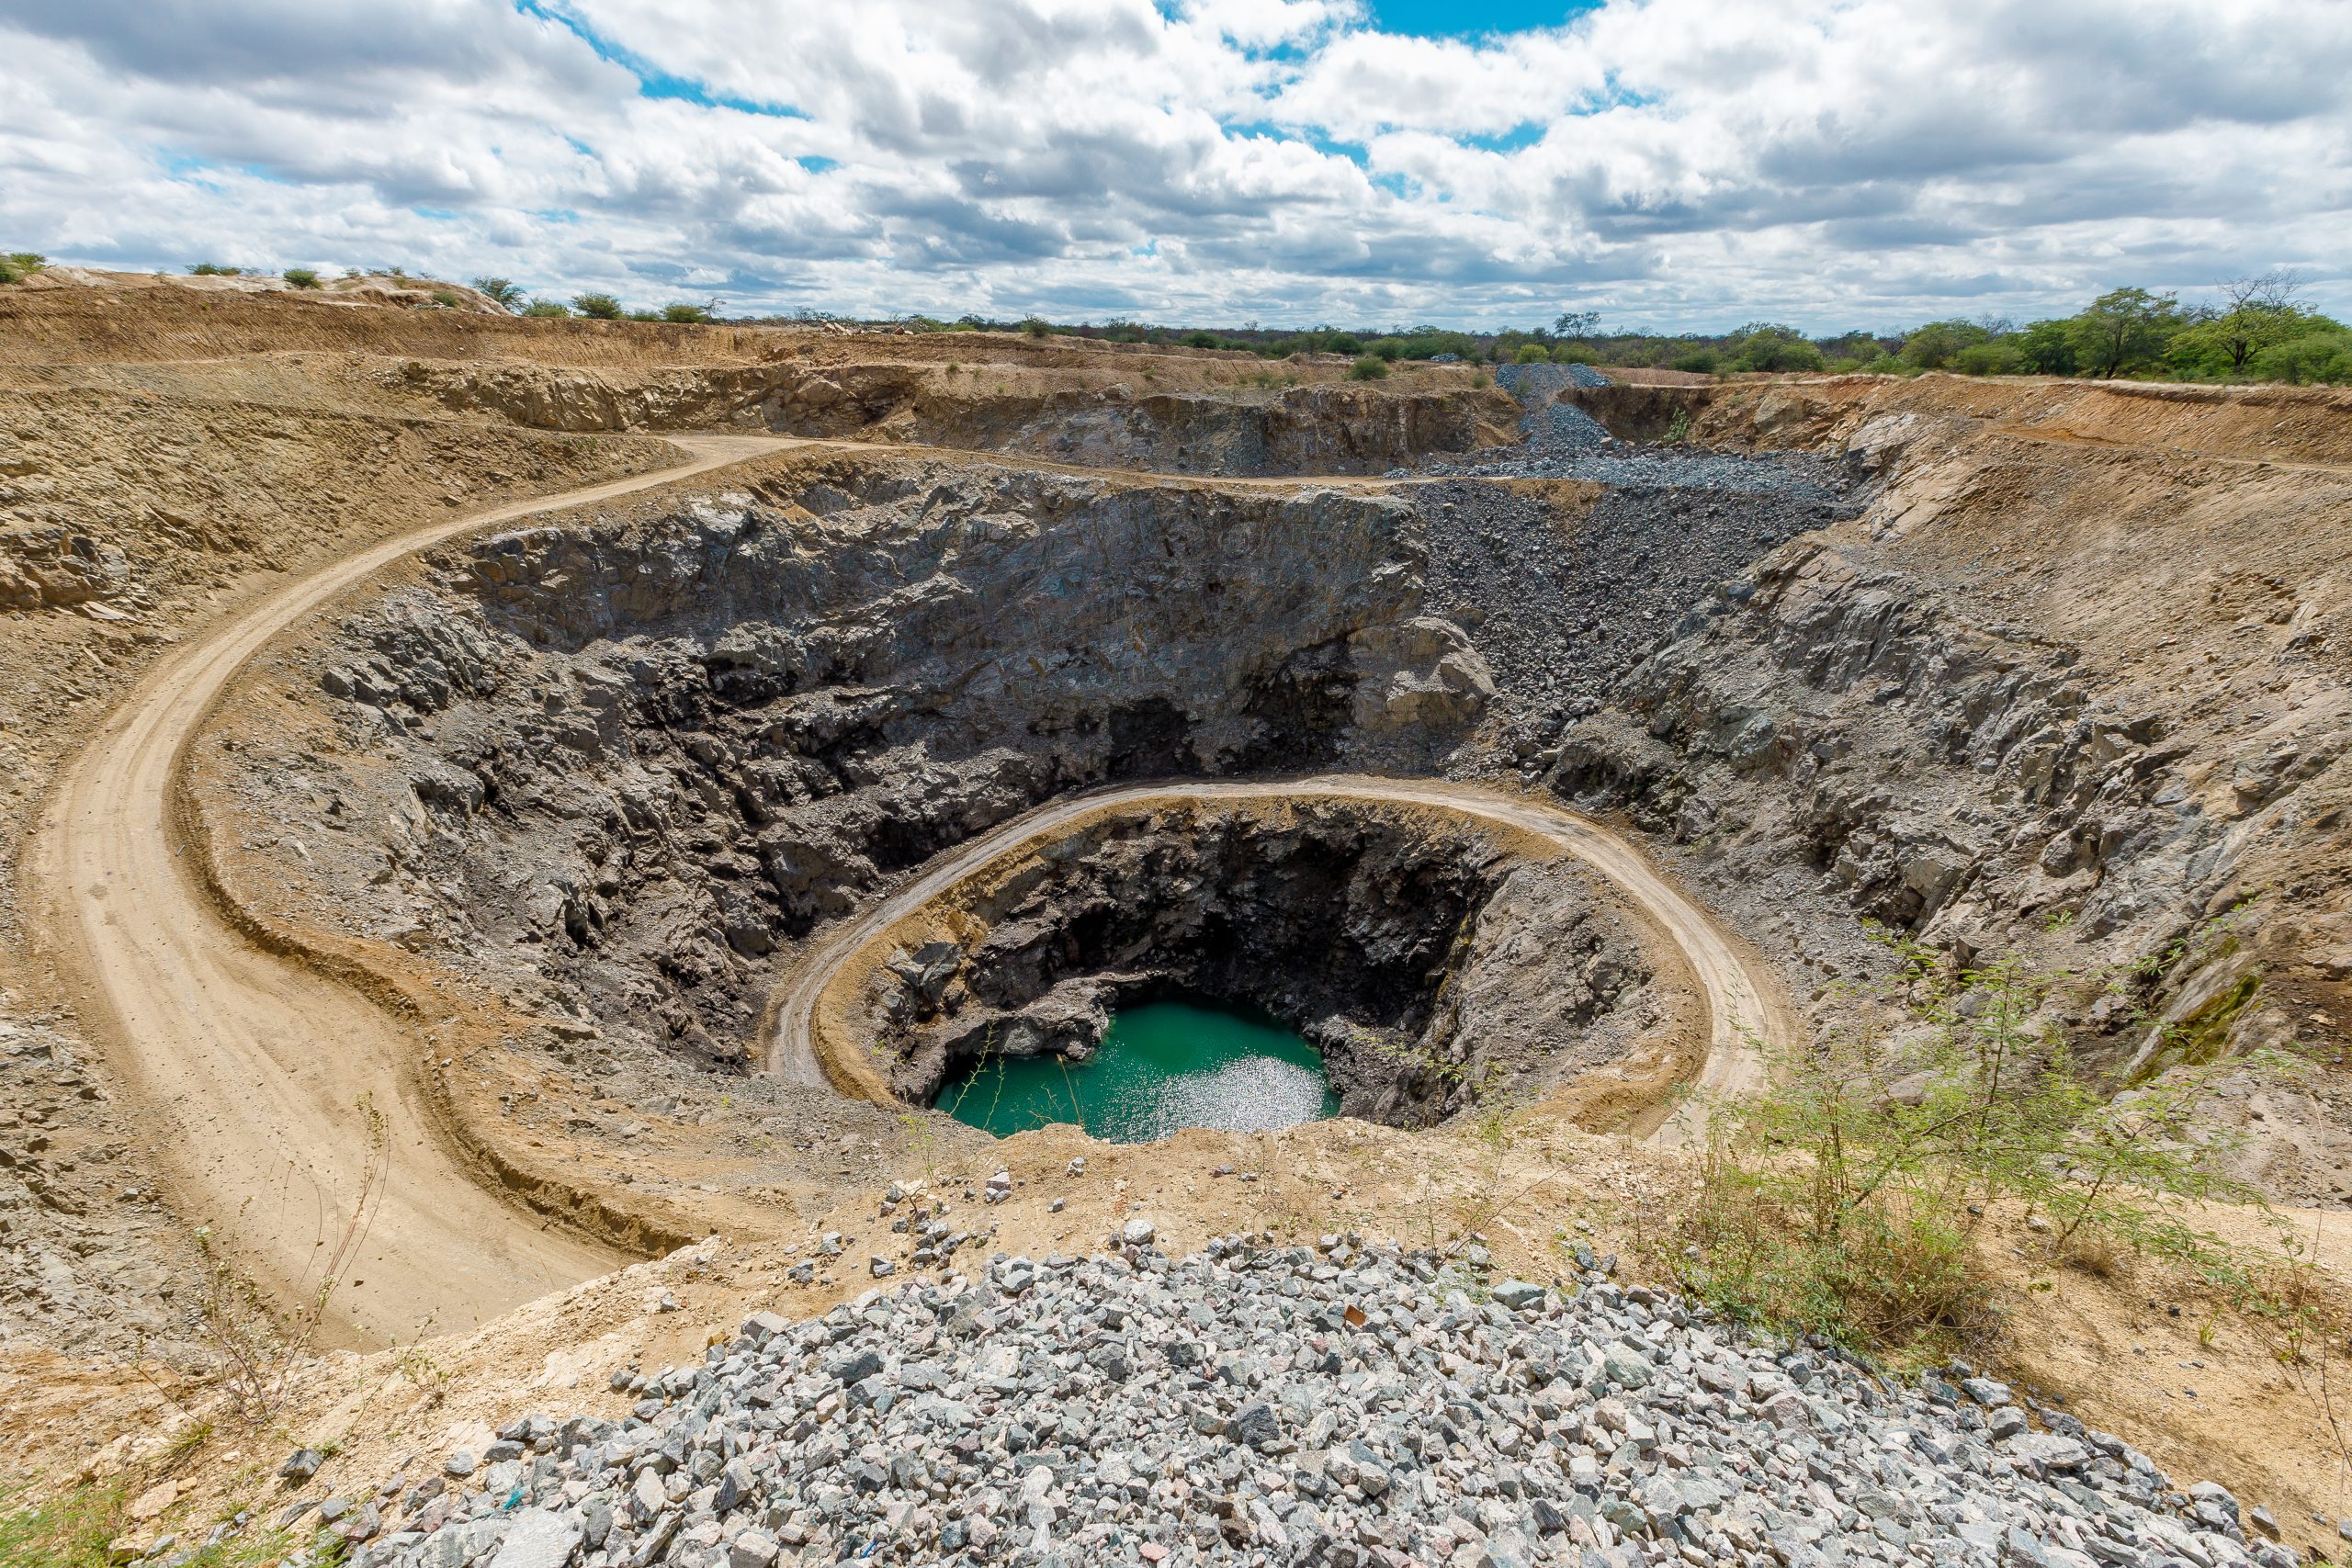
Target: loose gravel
1347, 1406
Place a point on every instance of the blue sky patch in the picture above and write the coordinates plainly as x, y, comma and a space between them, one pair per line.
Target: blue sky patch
652, 82
1452, 19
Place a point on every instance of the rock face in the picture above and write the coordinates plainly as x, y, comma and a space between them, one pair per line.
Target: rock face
659, 754
1343, 429
1354, 1408
1431, 967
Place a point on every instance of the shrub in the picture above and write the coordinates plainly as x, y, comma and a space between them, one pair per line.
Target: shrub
500, 289
597, 307
214, 269
1844, 1201
1199, 340
2046, 349
447, 298
1035, 327
644, 315
546, 308
1574, 354
1762, 346
685, 315
1699, 362
1935, 345
1532, 353
1371, 367
2319, 356
301, 277
20, 265
1995, 356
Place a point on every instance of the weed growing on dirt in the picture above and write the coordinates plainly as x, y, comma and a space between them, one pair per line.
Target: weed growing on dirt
71, 1529
1846, 1199
257, 1352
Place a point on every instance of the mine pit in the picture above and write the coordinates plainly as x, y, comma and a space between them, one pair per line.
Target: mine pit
628, 770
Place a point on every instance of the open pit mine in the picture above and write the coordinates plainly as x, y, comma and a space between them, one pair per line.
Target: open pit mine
627, 943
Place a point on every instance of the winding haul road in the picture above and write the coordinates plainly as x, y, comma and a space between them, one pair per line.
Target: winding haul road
1743, 1004
251, 1066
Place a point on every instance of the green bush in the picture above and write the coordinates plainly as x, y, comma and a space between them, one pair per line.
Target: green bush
1937, 344
1371, 367
447, 298
546, 308
1035, 327
685, 315
1995, 356
2045, 348
1763, 346
1698, 362
17, 266
1200, 340
642, 315
214, 269
1845, 1200
503, 290
597, 307
1574, 354
2324, 356
301, 277
1532, 353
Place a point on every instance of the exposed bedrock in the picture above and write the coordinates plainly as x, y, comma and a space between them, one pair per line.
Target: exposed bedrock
1832, 735
1318, 429
1434, 966
636, 763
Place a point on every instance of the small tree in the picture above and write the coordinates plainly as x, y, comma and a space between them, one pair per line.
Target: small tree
685, 315
597, 307
2123, 328
1766, 345
1371, 367
214, 269
2047, 348
1843, 1200
546, 308
301, 277
19, 265
1935, 345
1035, 327
500, 289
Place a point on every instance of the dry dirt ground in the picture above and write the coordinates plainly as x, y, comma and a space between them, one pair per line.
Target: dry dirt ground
168, 465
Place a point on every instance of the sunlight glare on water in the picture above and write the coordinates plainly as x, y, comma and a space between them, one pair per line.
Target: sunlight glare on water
1164, 1065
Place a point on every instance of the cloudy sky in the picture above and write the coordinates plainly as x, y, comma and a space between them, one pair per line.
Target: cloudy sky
1680, 164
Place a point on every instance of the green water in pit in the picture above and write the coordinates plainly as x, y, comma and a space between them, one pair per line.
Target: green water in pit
1163, 1065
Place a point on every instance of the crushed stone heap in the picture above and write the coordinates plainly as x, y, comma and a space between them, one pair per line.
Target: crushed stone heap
1343, 1405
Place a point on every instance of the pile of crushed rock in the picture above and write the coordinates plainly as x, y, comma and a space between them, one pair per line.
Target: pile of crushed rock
1344, 1404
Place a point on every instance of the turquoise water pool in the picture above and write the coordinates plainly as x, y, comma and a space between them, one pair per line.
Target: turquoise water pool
1164, 1065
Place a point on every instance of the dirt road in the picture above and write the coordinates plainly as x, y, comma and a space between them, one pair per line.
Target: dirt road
251, 1066
1743, 1004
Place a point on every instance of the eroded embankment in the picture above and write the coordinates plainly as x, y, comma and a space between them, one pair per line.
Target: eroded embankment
1099, 416
2084, 704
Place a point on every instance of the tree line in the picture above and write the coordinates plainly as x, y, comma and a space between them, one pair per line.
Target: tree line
2256, 328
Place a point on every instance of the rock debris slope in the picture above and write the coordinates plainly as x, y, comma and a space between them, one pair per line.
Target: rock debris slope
1345, 1406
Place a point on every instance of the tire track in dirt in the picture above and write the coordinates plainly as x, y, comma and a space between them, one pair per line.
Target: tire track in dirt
249, 1065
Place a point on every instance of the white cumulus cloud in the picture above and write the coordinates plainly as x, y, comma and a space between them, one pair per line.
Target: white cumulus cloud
1674, 162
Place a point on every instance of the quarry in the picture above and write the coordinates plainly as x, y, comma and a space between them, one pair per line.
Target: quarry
536, 849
